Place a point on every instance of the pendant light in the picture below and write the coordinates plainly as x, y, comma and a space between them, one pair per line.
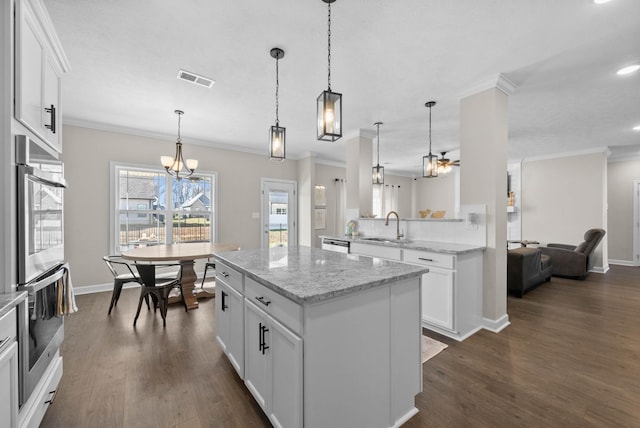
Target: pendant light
175, 166
378, 171
277, 134
430, 162
329, 113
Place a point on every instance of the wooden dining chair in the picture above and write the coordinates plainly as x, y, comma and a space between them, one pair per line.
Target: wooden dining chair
158, 288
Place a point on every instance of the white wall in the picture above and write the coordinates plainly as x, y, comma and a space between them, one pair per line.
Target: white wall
87, 154
620, 225
564, 197
436, 194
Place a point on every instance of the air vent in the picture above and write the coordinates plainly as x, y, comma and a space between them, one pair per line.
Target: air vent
195, 78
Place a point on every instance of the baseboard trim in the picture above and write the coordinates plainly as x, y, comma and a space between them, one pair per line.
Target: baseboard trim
100, 288
496, 326
621, 262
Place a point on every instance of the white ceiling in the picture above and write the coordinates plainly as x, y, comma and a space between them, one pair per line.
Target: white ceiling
388, 59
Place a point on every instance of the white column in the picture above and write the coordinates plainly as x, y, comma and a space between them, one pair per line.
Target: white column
359, 164
483, 180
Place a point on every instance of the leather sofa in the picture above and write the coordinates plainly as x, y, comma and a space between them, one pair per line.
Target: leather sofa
526, 268
574, 261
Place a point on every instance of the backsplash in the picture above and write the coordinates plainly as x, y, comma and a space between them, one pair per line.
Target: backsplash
470, 228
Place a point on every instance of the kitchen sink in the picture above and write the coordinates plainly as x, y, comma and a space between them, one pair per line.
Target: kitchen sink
386, 240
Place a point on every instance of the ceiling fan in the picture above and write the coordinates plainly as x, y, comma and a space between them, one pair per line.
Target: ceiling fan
445, 164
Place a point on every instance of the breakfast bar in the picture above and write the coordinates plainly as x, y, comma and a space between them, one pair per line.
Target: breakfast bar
321, 338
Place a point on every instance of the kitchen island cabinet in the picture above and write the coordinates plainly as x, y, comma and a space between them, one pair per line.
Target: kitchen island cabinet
329, 339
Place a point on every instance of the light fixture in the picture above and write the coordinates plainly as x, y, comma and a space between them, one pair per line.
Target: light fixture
329, 113
378, 171
601, 1
443, 164
175, 166
430, 162
629, 69
636, 128
277, 134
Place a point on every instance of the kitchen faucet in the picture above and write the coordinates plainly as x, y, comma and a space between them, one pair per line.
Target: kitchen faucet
398, 234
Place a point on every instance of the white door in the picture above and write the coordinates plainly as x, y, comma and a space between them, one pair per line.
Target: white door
279, 209
437, 297
230, 325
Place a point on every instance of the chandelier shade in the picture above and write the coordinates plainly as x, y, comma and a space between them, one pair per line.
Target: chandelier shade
176, 166
329, 111
277, 133
430, 161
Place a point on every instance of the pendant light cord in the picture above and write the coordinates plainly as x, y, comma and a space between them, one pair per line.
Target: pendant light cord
429, 131
329, 47
179, 117
378, 126
277, 89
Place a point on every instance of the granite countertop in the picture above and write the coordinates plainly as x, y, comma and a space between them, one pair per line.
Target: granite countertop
309, 275
9, 300
413, 244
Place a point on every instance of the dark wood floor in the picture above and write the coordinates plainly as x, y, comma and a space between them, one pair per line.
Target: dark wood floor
570, 358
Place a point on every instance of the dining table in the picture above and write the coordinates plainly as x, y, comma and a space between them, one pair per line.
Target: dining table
186, 253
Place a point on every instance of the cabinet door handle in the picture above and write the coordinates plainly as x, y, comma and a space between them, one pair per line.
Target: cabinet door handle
53, 397
224, 302
52, 113
224, 274
263, 344
425, 259
264, 301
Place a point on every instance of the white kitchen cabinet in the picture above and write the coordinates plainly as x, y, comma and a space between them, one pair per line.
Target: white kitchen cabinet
273, 370
437, 297
380, 251
39, 65
230, 324
8, 370
451, 302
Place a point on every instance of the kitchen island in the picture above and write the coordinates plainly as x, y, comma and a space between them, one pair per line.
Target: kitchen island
320, 338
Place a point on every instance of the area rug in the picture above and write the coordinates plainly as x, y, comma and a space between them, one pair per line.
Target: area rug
431, 348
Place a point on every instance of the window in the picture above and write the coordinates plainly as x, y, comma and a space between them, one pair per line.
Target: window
385, 199
150, 207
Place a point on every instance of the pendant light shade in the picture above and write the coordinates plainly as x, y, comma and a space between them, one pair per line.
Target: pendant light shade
329, 112
430, 162
277, 134
378, 171
175, 166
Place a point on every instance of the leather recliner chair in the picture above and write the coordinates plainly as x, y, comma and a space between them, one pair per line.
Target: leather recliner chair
574, 261
526, 269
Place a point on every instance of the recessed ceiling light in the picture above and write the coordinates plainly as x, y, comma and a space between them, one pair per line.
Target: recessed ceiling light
629, 69
636, 128
601, 1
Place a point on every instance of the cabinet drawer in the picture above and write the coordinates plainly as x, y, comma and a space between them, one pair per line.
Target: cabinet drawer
429, 258
284, 310
229, 276
8, 326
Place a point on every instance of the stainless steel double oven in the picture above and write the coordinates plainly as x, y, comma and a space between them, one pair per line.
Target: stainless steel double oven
41, 263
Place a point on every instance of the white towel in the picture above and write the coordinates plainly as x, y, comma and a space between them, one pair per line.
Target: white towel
66, 297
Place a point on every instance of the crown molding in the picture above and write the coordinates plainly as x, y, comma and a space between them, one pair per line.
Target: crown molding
499, 81
603, 150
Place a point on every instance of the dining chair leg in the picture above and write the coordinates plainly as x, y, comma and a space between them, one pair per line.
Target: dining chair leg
115, 295
139, 306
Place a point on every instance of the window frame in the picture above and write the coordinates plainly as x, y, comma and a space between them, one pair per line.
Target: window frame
114, 201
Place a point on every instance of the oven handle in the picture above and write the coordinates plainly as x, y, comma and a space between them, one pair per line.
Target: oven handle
39, 285
44, 177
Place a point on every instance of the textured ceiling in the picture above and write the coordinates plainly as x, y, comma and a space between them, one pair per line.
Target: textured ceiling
388, 59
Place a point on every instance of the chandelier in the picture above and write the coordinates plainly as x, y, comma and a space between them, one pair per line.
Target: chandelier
277, 135
430, 162
329, 113
175, 166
